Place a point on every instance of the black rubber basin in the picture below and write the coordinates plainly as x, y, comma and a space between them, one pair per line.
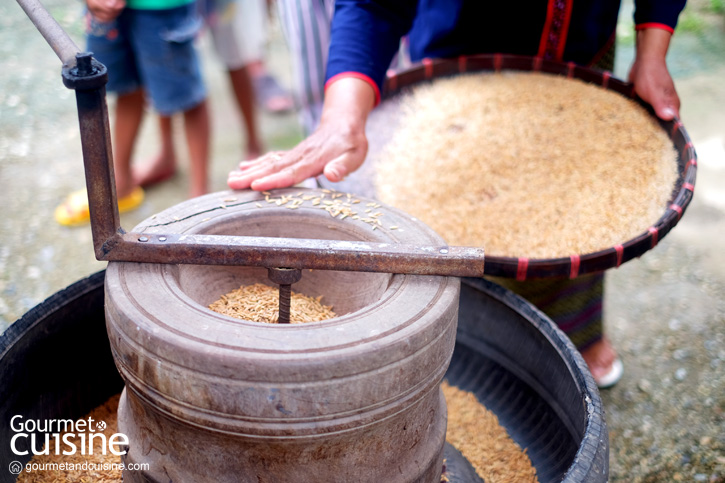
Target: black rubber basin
55, 363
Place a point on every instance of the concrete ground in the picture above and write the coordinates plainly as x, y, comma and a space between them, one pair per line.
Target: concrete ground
665, 311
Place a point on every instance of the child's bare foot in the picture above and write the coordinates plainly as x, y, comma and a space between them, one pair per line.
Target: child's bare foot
603, 363
271, 95
155, 171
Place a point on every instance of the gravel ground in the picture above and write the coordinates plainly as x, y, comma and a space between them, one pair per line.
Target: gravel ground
665, 311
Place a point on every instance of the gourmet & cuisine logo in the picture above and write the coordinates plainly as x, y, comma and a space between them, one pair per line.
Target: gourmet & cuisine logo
69, 437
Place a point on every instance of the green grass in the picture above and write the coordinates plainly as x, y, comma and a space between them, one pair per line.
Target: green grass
717, 6
691, 22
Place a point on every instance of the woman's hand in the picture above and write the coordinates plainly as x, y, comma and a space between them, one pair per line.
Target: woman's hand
337, 148
649, 74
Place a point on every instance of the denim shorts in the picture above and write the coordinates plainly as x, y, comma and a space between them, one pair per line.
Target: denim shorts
153, 50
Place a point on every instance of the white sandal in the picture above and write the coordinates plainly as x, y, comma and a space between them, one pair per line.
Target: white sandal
613, 376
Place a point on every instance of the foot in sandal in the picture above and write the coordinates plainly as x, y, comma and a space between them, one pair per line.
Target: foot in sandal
270, 95
74, 210
603, 362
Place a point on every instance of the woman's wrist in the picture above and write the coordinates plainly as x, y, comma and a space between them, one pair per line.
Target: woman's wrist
348, 101
653, 43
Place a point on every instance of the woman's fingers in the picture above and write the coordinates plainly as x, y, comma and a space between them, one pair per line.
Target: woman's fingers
654, 85
299, 170
350, 160
262, 160
275, 170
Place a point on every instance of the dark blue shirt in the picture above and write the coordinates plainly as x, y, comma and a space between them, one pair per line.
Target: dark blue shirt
366, 34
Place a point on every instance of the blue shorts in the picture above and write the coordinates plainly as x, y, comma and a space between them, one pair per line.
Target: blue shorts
153, 50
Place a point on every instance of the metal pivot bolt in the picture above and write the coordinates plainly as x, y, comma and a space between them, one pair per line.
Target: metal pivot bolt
285, 277
84, 64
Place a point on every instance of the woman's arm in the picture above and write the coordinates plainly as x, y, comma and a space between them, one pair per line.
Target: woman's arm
365, 36
649, 74
655, 22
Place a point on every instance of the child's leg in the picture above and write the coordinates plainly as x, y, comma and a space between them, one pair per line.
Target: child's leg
129, 114
244, 93
169, 66
238, 43
197, 128
163, 165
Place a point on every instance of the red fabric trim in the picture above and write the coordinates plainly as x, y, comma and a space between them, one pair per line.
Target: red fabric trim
556, 28
691, 162
355, 75
677, 209
688, 186
521, 269
547, 28
654, 25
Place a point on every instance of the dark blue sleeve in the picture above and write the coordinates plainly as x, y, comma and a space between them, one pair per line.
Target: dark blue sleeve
366, 35
662, 12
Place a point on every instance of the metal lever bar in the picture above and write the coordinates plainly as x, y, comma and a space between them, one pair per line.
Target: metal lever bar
356, 256
63, 46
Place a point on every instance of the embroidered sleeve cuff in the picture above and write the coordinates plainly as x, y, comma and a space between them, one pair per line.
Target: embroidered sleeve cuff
356, 75
654, 25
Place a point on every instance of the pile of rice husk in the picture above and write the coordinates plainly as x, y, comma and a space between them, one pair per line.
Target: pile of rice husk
476, 433
260, 303
106, 468
527, 164
472, 429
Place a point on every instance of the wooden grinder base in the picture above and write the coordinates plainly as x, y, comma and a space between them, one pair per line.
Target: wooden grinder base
209, 398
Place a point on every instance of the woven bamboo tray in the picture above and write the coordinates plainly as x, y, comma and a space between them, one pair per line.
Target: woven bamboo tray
383, 119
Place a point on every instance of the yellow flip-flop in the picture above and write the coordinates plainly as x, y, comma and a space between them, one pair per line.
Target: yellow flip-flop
74, 210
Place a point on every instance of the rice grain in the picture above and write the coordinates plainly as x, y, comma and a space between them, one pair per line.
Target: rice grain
527, 164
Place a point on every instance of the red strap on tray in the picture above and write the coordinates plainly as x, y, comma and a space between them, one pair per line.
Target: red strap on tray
575, 261
428, 65
605, 78
620, 252
462, 64
522, 268
654, 231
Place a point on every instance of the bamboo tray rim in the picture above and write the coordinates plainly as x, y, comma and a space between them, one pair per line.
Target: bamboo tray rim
522, 268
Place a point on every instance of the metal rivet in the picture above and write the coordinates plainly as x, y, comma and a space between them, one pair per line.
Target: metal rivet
443, 250
143, 239
162, 238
